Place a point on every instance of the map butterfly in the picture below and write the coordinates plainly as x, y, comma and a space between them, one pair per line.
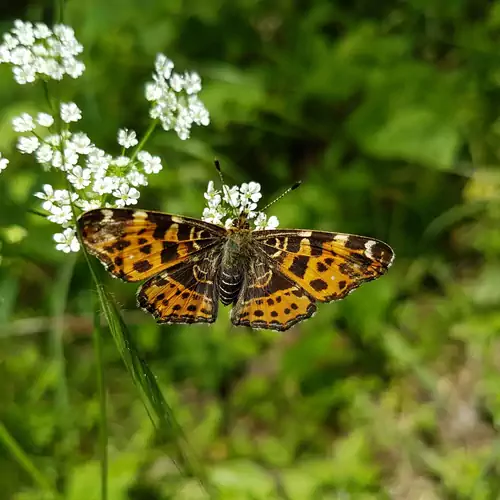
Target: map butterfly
272, 278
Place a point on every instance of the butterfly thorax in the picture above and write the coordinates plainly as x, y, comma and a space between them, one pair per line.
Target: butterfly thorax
235, 259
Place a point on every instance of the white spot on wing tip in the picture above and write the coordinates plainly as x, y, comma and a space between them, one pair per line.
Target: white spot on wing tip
368, 248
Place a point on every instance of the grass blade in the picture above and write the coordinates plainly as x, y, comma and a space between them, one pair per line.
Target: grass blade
101, 384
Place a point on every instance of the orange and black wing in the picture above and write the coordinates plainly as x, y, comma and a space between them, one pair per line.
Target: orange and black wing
327, 266
270, 300
184, 293
136, 244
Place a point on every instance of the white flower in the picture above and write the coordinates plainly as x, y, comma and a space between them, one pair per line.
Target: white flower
24, 74
176, 82
41, 31
80, 143
136, 178
163, 66
192, 82
198, 112
152, 164
79, 177
70, 159
98, 161
212, 196
24, 32
61, 215
153, 92
212, 215
70, 112
251, 191
28, 145
231, 195
127, 138
3, 162
44, 154
48, 196
67, 241
23, 123
260, 221
104, 185
272, 222
45, 120
126, 195
64, 197
121, 161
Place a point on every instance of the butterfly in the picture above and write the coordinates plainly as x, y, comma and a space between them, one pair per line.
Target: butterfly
272, 278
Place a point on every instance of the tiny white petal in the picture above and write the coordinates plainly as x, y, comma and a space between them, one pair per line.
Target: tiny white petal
44, 120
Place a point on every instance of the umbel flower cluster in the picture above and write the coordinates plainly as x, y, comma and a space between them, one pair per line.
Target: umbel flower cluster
95, 177
227, 204
35, 51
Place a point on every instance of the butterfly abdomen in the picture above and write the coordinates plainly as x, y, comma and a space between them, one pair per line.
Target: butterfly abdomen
229, 284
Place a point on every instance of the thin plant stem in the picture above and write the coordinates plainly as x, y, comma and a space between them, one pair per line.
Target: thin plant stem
103, 423
25, 462
144, 139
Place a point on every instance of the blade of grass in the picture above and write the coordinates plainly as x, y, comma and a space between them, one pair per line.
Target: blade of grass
25, 462
60, 293
101, 384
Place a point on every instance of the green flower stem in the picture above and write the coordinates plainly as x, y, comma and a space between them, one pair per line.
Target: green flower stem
144, 139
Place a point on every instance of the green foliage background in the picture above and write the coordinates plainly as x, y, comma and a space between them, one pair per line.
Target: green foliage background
388, 111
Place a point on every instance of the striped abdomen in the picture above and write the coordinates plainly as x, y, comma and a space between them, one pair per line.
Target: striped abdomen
229, 284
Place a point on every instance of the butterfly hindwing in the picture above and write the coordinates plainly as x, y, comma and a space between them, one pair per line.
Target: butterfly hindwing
270, 300
184, 293
136, 244
326, 265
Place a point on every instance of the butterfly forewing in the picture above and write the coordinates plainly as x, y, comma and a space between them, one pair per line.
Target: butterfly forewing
326, 265
137, 244
184, 293
270, 300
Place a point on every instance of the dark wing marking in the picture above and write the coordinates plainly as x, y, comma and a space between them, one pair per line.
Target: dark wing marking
136, 244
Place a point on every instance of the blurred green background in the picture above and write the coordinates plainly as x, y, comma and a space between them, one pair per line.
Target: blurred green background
389, 113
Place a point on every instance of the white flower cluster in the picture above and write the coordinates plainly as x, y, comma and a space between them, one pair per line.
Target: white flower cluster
36, 51
97, 178
174, 98
224, 206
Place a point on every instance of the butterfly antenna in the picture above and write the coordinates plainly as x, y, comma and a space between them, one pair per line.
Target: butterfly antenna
292, 188
219, 170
